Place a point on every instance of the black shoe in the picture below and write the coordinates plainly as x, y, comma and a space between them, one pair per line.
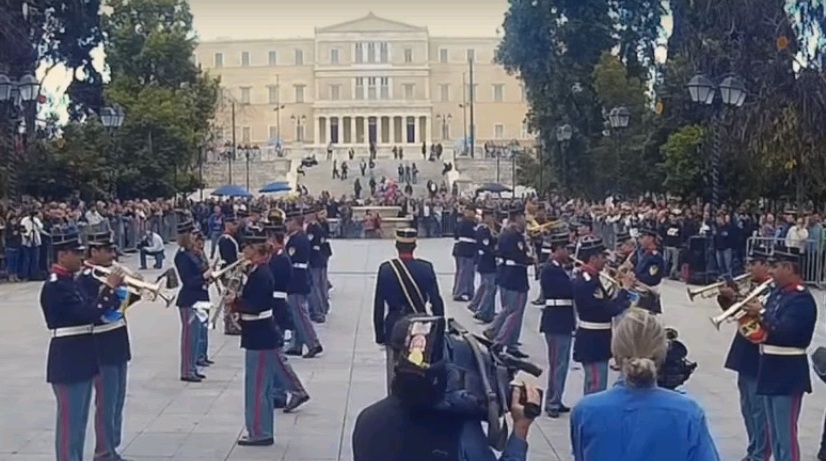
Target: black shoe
553, 413
203, 363
209, 362
488, 334
295, 402
245, 441
313, 352
538, 302
191, 379
471, 308
318, 319
293, 352
564, 409
203, 376
517, 353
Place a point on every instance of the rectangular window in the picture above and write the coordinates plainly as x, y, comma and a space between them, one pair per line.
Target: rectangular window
408, 55
334, 56
335, 92
372, 88
499, 131
444, 93
385, 87
384, 52
299, 57
443, 56
359, 87
246, 134
219, 60
498, 93
359, 53
471, 55
273, 133
272, 95
299, 93
245, 59
371, 52
409, 90
245, 95
272, 58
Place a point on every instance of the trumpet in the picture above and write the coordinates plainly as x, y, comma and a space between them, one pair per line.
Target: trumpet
736, 312
712, 290
639, 287
534, 229
134, 283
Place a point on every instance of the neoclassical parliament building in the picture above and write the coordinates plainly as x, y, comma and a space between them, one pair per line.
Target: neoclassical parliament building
366, 80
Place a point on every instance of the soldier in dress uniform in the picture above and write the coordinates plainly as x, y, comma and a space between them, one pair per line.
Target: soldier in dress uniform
512, 280
194, 281
541, 250
783, 374
744, 359
558, 322
289, 391
327, 249
73, 361
258, 339
596, 306
625, 246
464, 253
228, 251
113, 352
204, 306
404, 286
650, 269
483, 304
319, 302
298, 249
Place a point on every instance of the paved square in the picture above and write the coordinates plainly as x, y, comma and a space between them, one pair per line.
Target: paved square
170, 420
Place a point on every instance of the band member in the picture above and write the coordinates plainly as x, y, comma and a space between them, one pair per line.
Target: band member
464, 254
113, 352
72, 362
744, 359
650, 269
194, 281
327, 249
558, 322
483, 304
624, 250
318, 302
228, 251
404, 286
203, 326
298, 249
783, 374
258, 339
287, 382
596, 306
541, 250
512, 280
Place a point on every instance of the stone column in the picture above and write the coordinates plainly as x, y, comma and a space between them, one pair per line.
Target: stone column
317, 131
329, 129
353, 139
392, 129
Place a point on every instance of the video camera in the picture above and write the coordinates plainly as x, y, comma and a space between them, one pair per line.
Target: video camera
676, 369
477, 375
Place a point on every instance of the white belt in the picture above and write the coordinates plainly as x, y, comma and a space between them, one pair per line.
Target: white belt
316, 247
97, 329
546, 251
593, 325
300, 265
781, 350
510, 262
467, 240
559, 302
279, 294
259, 316
72, 331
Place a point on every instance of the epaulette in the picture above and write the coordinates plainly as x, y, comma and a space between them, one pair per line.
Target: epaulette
800, 288
53, 277
655, 252
586, 276
86, 271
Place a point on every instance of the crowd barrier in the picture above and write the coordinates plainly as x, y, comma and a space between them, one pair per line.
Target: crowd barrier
812, 256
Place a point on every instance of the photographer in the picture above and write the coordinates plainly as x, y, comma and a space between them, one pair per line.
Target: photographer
151, 245
413, 424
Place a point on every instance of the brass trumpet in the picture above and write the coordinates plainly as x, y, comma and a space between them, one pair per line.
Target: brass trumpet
736, 312
220, 274
712, 290
533, 229
134, 283
639, 287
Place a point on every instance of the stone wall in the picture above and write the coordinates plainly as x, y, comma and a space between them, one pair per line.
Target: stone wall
482, 170
261, 172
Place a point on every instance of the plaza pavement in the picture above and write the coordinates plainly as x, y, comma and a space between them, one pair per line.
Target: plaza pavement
170, 420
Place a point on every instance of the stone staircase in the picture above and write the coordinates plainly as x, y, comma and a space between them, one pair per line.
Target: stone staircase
261, 172
482, 170
319, 178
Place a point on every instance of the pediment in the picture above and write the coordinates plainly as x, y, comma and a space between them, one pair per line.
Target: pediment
370, 23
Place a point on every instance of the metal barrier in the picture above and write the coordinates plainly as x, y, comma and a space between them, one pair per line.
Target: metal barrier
812, 256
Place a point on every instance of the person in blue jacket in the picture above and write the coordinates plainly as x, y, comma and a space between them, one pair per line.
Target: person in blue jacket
194, 281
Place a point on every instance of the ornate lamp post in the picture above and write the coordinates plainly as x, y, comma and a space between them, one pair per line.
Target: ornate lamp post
112, 119
618, 119
18, 102
563, 136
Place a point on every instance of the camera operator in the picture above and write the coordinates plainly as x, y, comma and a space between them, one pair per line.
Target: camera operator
407, 426
151, 245
636, 419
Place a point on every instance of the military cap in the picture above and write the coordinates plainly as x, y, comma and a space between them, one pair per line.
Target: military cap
230, 216
67, 241
622, 237
100, 239
790, 211
590, 246
649, 231
242, 213
760, 253
275, 227
254, 235
586, 220
406, 235
185, 227
294, 213
785, 256
516, 210
275, 216
486, 210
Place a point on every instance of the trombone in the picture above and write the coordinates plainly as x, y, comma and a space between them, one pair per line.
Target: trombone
735, 312
134, 283
712, 290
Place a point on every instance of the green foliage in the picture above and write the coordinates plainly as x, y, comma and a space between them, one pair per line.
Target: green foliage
685, 162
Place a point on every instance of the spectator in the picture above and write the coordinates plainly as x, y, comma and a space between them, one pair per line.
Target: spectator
215, 224
152, 245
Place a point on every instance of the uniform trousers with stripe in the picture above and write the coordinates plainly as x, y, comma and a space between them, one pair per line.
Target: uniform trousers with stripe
304, 333
190, 338
783, 412
259, 387
286, 379
318, 276
110, 397
508, 322
559, 355
484, 301
753, 409
73, 402
203, 341
463, 280
596, 377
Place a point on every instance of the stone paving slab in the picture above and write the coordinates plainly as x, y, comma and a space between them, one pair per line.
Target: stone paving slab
170, 420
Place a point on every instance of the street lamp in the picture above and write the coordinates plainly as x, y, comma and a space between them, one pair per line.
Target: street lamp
112, 119
299, 134
18, 102
703, 91
563, 136
618, 119
248, 152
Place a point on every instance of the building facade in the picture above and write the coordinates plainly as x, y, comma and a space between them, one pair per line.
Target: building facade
362, 81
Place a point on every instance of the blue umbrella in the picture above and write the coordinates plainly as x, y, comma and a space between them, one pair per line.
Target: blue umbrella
231, 190
277, 186
493, 187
